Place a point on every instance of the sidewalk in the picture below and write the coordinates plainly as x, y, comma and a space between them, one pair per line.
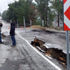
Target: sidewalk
3, 54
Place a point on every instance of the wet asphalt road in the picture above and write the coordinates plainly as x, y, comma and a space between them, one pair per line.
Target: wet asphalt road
21, 57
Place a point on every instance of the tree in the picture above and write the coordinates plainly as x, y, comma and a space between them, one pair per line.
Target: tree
19, 9
4, 15
45, 11
58, 6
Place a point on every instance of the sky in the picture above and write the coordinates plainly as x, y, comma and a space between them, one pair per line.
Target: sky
4, 4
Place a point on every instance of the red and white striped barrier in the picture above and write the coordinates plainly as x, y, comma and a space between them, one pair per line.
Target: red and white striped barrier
66, 15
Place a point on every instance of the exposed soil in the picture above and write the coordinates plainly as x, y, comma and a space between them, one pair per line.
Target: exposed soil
52, 52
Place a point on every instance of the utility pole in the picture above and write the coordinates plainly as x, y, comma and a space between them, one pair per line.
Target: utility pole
17, 23
67, 27
30, 23
67, 40
24, 23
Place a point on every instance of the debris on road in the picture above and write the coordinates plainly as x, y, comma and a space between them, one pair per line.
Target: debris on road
39, 43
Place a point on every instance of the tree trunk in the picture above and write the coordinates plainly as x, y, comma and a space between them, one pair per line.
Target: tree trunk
42, 23
58, 20
47, 14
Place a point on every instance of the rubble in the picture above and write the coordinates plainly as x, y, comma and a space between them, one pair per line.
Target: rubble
39, 44
53, 52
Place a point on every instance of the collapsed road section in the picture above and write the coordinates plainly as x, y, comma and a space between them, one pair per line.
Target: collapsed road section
52, 52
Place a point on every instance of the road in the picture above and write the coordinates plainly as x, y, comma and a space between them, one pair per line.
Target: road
23, 56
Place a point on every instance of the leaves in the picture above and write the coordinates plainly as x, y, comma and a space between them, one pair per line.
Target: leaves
19, 9
33, 11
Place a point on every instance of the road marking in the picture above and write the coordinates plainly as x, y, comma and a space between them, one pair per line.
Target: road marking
54, 65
